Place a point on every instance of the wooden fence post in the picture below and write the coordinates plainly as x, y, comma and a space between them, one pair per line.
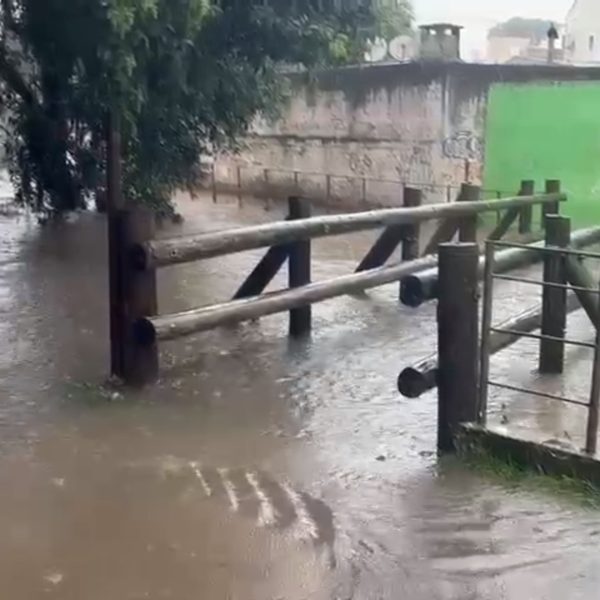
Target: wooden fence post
468, 225
299, 269
553, 208
114, 200
411, 245
458, 340
214, 182
526, 214
141, 300
554, 303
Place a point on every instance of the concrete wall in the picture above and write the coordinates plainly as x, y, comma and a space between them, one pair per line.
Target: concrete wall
422, 124
582, 34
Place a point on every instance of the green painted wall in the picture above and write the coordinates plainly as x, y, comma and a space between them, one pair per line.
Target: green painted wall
546, 131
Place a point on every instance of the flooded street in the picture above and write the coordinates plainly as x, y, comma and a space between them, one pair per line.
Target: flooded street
259, 468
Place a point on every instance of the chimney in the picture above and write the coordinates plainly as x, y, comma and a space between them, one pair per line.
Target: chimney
552, 37
440, 42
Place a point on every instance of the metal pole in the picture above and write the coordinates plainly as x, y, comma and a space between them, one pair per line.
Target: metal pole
554, 304
364, 190
328, 187
239, 184
591, 444
486, 324
458, 340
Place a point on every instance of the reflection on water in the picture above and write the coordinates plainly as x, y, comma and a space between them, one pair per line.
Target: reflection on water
258, 468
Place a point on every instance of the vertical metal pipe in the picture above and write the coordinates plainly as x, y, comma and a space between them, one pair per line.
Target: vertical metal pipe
486, 324
591, 444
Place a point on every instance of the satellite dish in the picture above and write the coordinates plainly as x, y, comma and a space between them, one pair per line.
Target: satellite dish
403, 47
376, 50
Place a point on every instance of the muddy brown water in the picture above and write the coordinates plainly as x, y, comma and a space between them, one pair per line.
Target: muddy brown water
258, 468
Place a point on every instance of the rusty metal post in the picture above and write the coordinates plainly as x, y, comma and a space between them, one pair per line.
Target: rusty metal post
554, 304
299, 269
114, 198
411, 246
551, 208
526, 214
457, 340
468, 225
591, 444
141, 300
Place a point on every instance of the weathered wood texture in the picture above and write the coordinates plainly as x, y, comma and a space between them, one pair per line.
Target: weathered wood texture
168, 327
383, 248
554, 302
422, 287
458, 324
526, 215
141, 300
468, 225
264, 272
552, 186
209, 245
414, 381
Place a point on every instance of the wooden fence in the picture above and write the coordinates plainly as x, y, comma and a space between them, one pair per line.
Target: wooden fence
136, 327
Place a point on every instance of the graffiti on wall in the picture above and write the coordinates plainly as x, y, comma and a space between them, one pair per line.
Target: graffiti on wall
463, 145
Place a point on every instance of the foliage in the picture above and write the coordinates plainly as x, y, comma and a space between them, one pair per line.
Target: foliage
392, 18
184, 75
533, 29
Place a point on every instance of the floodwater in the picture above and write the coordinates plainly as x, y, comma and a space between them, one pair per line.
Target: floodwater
258, 468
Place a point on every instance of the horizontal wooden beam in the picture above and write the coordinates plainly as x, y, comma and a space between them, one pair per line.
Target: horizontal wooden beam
174, 326
414, 381
160, 253
422, 287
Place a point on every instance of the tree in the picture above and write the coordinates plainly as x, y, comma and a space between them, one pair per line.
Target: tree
184, 75
392, 18
534, 29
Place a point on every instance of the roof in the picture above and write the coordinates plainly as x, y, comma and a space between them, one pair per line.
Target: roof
441, 26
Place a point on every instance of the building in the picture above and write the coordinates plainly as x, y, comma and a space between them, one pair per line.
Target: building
527, 48
582, 33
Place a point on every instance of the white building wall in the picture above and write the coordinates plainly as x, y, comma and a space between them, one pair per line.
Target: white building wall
582, 32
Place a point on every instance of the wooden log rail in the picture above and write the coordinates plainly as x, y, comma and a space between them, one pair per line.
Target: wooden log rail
289, 241
161, 253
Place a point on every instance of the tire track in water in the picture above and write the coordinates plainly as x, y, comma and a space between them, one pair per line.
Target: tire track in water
272, 504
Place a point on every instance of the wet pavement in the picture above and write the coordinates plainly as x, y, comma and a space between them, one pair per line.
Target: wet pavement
259, 468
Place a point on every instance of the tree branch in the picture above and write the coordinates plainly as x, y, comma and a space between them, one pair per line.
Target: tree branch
10, 74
